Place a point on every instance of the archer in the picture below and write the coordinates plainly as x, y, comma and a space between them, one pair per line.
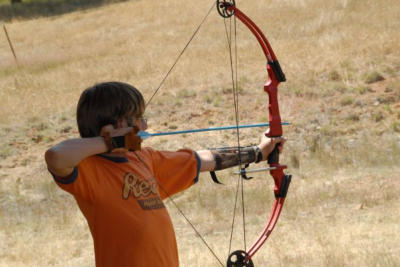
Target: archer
119, 186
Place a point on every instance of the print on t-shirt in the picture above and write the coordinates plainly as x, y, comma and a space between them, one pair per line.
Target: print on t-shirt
144, 191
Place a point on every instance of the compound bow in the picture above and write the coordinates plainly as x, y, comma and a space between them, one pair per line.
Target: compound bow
275, 75
241, 258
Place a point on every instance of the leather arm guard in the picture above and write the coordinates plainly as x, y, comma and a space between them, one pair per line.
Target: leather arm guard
227, 157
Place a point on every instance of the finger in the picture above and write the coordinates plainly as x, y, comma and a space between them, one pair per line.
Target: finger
122, 131
283, 140
277, 140
281, 144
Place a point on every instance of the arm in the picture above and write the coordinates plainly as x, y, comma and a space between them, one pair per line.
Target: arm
208, 162
62, 158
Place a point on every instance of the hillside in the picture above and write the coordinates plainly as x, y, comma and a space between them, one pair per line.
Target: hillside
342, 97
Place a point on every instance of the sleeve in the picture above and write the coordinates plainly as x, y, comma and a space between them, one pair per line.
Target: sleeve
81, 182
175, 171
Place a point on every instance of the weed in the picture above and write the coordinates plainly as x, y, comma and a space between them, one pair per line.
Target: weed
48, 139
66, 129
334, 75
178, 102
353, 117
217, 101
378, 116
396, 126
338, 87
389, 70
358, 103
38, 138
362, 89
208, 99
387, 108
328, 130
25, 162
41, 126
186, 93
386, 99
6, 151
388, 90
346, 100
63, 118
373, 77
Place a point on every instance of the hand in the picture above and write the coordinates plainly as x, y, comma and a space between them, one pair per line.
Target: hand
267, 144
108, 132
114, 131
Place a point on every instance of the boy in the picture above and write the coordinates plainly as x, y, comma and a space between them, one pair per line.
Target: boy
120, 192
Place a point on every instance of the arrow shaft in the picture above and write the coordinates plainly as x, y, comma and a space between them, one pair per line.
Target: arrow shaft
221, 128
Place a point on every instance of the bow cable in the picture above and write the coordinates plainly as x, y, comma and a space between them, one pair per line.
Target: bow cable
180, 54
235, 92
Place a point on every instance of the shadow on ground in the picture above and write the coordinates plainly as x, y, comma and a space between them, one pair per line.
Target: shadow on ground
48, 8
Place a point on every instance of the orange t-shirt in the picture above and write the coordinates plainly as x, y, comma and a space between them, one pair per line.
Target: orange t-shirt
121, 199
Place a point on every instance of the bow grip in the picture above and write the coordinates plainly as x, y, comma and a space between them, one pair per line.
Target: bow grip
273, 157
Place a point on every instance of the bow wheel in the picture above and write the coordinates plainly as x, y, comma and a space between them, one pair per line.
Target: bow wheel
222, 8
239, 258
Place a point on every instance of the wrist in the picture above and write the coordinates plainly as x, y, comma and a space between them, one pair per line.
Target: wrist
259, 154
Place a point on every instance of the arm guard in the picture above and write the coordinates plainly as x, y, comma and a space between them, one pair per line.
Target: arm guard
227, 157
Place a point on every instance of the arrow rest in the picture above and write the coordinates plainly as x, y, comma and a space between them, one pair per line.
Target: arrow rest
238, 259
243, 172
223, 10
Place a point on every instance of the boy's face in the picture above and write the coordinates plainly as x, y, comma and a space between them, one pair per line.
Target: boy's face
138, 121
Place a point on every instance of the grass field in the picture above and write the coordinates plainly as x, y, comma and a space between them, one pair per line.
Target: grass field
342, 97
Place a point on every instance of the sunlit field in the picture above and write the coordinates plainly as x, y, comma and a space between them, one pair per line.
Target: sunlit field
342, 97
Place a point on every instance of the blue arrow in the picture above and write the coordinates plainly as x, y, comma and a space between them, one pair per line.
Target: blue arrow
145, 135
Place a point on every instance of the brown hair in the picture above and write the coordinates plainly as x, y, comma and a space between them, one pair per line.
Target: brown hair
105, 103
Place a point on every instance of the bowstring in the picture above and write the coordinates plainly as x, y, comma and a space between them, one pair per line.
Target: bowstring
235, 92
238, 139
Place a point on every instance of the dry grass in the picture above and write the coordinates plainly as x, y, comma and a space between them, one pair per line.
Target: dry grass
343, 204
